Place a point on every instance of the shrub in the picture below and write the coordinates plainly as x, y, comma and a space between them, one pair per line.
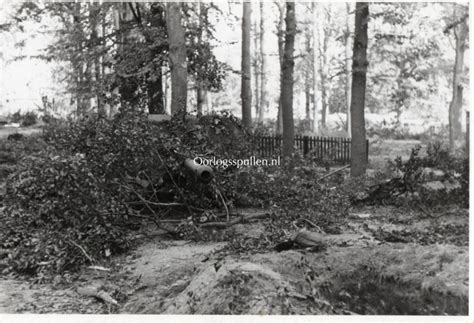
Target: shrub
29, 119
409, 177
59, 215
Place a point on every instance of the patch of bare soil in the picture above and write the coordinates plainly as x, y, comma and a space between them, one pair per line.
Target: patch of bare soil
364, 270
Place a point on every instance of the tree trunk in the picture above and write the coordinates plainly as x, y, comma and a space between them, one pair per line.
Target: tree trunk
155, 92
201, 91
246, 88
177, 58
316, 96
460, 34
256, 70
348, 59
201, 100
307, 78
359, 71
263, 64
78, 65
128, 85
94, 11
287, 81
156, 104
281, 44
323, 72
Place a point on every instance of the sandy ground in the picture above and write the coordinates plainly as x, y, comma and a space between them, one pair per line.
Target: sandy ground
361, 273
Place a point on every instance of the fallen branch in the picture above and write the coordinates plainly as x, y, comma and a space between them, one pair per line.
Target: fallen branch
240, 219
311, 223
225, 205
82, 249
99, 268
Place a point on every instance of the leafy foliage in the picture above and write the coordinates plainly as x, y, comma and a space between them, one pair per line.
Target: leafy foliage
26, 119
411, 179
59, 215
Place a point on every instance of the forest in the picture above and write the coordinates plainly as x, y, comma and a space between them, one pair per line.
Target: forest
234, 157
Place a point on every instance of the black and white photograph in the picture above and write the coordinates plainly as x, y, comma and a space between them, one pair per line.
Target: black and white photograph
265, 158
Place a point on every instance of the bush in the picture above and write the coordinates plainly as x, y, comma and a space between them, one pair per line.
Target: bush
59, 215
26, 120
410, 179
29, 119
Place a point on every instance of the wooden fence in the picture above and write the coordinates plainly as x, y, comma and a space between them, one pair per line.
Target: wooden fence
327, 149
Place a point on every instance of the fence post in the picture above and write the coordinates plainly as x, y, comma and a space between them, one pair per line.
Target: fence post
305, 145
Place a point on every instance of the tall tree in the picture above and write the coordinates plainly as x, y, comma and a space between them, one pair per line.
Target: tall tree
359, 78
94, 21
263, 65
287, 80
246, 87
177, 58
281, 43
256, 67
155, 38
201, 90
325, 37
460, 30
316, 96
307, 76
348, 59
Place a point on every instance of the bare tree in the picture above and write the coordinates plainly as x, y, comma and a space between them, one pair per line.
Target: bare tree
359, 78
287, 80
177, 58
246, 89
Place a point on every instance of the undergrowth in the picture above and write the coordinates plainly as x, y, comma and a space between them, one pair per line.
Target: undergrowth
74, 201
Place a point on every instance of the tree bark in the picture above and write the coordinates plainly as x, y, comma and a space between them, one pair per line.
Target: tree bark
348, 59
156, 104
127, 85
201, 100
359, 71
256, 70
460, 34
201, 91
316, 97
94, 12
281, 44
307, 78
263, 64
78, 67
246, 87
287, 81
323, 69
177, 58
